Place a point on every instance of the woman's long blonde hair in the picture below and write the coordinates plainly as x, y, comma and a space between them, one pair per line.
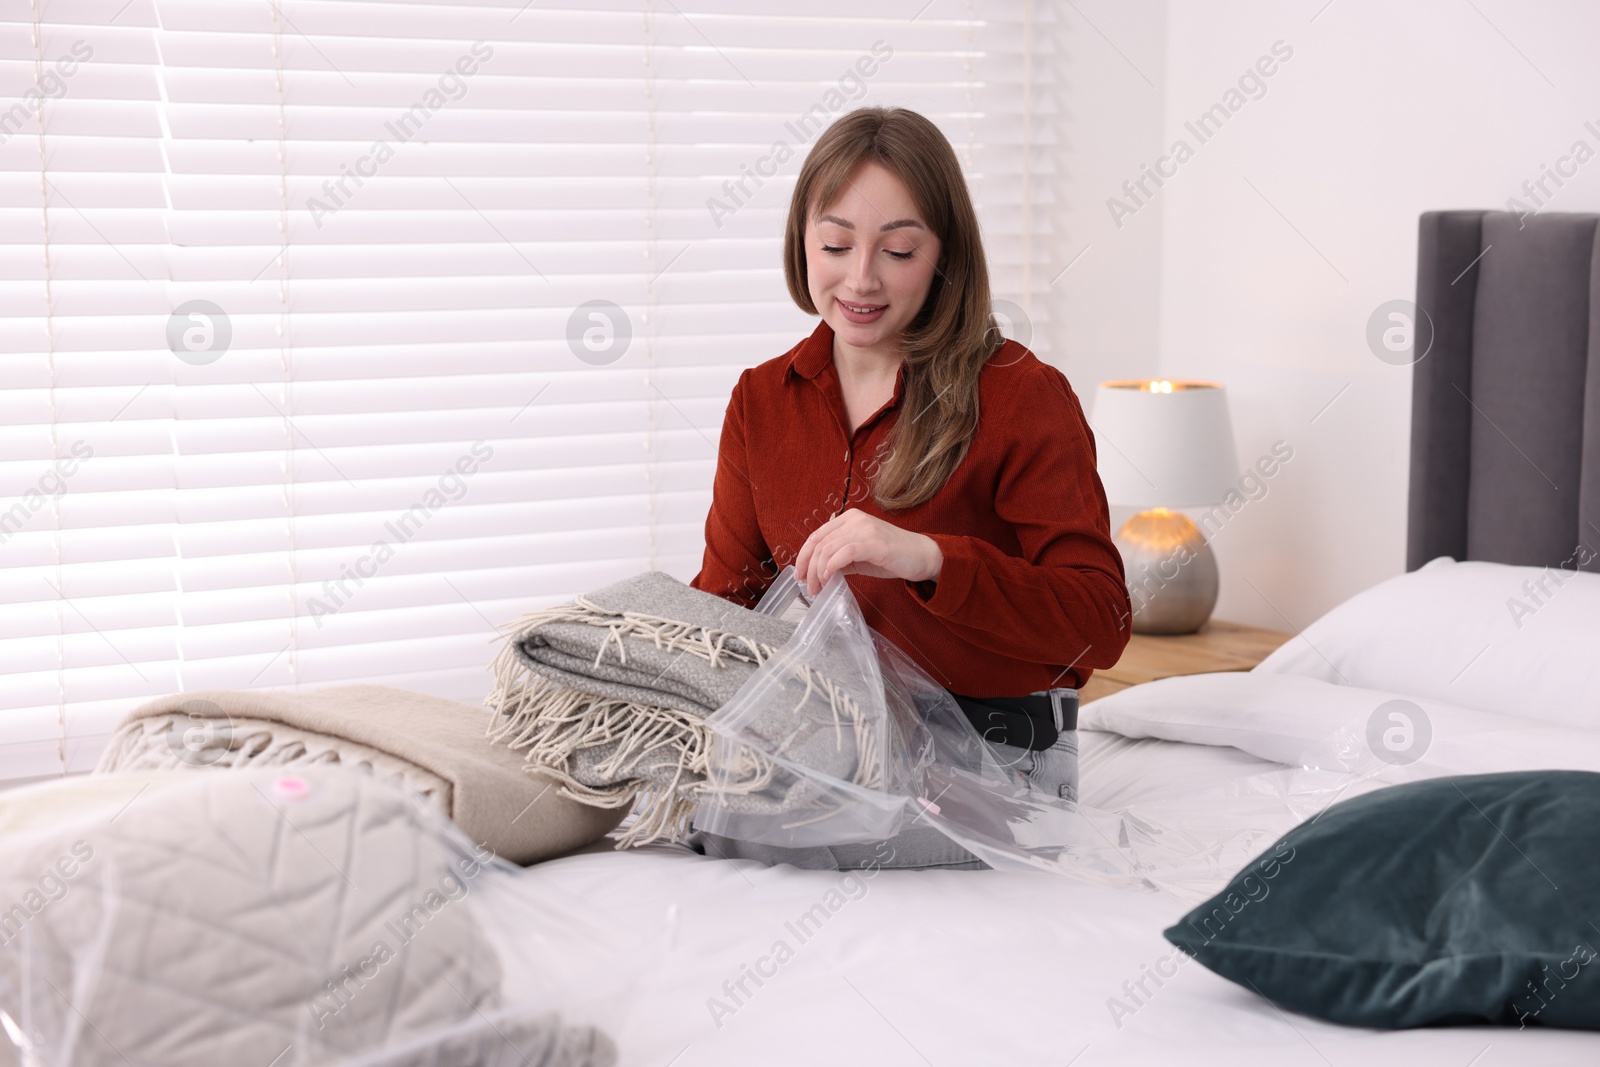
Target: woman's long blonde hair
953, 334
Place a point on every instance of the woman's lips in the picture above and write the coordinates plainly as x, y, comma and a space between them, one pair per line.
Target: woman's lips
852, 315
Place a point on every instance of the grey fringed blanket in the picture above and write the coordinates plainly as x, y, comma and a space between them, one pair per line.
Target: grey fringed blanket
610, 695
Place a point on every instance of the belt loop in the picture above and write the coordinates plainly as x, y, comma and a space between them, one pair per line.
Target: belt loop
1059, 697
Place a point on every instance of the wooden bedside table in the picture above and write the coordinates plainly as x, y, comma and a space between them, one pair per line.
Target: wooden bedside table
1218, 646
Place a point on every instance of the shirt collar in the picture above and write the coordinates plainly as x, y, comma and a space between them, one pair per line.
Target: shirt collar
815, 354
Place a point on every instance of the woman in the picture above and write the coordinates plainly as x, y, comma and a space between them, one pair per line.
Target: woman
946, 471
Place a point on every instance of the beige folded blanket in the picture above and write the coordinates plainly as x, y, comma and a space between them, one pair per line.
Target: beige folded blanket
435, 746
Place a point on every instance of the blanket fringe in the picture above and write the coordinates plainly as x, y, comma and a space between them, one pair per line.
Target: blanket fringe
550, 722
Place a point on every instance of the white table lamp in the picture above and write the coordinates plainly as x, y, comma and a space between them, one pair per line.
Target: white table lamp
1165, 444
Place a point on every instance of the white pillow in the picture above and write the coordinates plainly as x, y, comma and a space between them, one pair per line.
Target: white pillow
1521, 641
1305, 722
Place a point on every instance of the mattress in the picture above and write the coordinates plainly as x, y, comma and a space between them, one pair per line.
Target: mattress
780, 965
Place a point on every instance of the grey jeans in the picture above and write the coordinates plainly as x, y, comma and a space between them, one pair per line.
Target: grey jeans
919, 847
1054, 769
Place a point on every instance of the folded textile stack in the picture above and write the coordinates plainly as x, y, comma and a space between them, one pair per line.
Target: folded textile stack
610, 695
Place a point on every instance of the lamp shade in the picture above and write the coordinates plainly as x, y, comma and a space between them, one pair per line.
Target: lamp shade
1164, 443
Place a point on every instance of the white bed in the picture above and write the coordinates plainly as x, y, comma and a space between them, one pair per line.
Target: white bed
960, 967
976, 967
964, 967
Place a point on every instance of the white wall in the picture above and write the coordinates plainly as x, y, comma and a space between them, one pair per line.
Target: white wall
1107, 303
1288, 228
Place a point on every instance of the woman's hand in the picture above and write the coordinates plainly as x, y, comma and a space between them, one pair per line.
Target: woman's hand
854, 542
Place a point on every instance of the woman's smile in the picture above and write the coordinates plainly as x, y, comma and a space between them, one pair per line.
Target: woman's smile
861, 313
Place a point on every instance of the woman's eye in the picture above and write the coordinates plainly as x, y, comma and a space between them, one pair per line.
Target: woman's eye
834, 250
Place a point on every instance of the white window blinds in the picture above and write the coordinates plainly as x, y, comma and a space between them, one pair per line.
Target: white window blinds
337, 333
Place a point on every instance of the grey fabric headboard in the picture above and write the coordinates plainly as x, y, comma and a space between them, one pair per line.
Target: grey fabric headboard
1505, 405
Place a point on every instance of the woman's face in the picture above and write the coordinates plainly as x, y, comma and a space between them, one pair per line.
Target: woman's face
870, 259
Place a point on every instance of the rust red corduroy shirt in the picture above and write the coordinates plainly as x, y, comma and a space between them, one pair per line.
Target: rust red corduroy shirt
1032, 592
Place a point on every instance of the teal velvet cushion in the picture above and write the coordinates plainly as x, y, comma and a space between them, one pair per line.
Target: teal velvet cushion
1472, 899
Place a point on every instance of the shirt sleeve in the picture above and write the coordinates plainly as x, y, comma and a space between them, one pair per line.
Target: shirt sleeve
1065, 599
737, 564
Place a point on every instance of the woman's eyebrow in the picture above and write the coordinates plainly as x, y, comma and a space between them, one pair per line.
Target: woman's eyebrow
895, 225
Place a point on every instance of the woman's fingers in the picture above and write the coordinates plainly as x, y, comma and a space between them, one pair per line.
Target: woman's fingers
817, 571
829, 559
806, 562
805, 559
850, 539
845, 553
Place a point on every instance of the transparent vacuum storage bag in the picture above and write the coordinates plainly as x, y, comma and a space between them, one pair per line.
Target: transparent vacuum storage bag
297, 916
840, 689
810, 751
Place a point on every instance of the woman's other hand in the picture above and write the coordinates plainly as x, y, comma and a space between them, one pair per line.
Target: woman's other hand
854, 542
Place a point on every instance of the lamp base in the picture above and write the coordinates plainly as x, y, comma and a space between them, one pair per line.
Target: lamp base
1172, 572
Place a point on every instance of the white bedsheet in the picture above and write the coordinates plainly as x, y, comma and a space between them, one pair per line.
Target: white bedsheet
976, 967
955, 968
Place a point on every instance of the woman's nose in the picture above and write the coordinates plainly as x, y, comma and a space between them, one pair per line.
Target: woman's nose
864, 272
